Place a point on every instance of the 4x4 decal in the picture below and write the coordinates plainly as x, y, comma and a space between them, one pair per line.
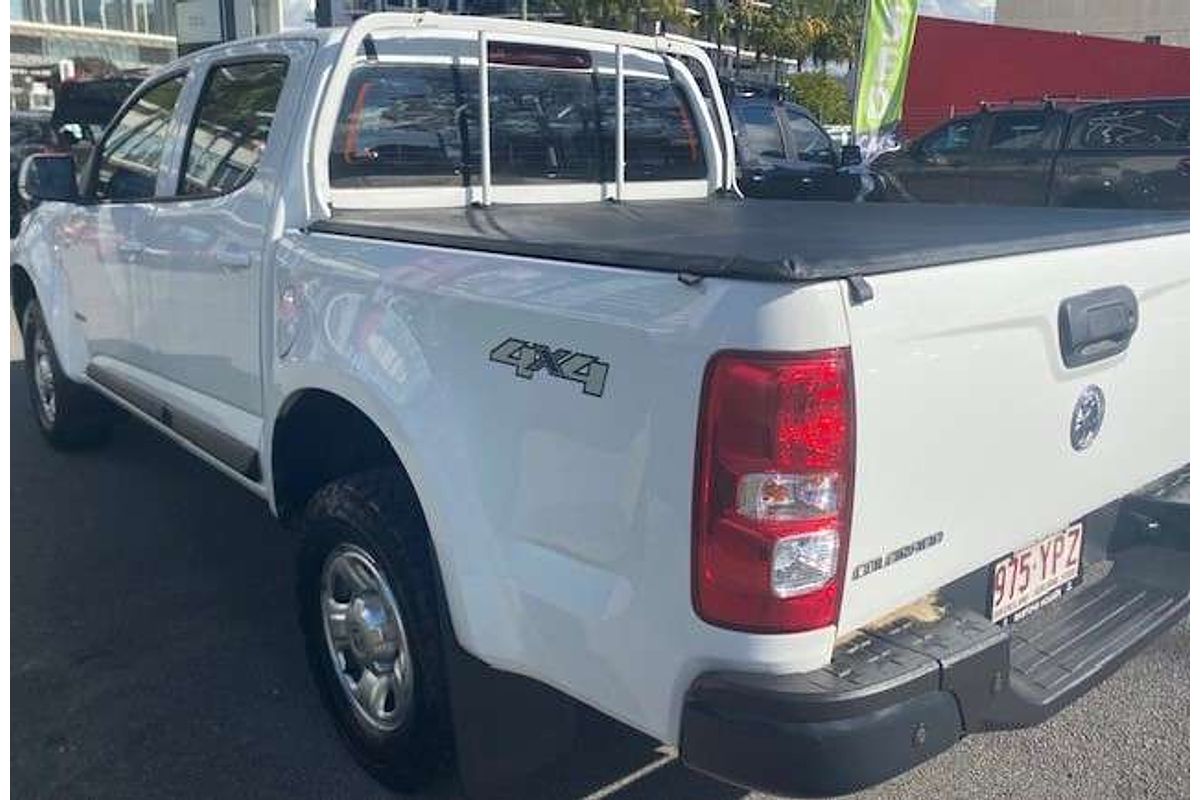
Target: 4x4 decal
529, 358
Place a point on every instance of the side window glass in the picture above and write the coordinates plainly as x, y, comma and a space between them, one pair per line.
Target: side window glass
1140, 126
812, 143
1018, 131
127, 167
953, 138
661, 138
233, 120
761, 136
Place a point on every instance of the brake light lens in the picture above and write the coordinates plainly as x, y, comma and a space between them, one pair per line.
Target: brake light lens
774, 474
538, 55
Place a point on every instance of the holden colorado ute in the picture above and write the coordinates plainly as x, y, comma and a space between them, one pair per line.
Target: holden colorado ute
806, 491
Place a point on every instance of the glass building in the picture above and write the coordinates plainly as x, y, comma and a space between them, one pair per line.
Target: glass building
61, 38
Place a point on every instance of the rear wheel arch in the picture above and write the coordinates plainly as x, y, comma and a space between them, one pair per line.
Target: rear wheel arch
318, 436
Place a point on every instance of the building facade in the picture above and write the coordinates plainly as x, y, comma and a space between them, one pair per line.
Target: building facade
1149, 21
52, 40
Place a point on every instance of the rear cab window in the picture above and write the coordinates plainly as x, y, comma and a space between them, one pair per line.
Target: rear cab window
409, 119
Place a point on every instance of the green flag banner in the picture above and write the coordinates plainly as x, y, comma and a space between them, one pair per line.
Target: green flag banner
883, 69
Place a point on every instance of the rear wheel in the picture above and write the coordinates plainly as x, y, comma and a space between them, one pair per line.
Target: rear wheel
369, 608
69, 414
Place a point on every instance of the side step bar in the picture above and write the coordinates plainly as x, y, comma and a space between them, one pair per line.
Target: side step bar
235, 455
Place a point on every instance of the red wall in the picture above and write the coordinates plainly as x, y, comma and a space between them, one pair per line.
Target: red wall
955, 65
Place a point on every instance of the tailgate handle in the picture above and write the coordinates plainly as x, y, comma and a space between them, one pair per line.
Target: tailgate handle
1096, 325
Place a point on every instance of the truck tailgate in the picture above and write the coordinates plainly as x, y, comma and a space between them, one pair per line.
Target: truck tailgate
964, 409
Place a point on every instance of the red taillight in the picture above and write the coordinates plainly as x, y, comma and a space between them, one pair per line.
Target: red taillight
775, 463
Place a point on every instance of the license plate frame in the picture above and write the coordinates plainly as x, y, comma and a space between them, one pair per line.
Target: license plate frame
1019, 583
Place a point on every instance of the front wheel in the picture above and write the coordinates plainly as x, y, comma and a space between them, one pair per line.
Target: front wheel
69, 414
369, 609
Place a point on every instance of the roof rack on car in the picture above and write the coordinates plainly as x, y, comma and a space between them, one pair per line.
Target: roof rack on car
1046, 101
750, 88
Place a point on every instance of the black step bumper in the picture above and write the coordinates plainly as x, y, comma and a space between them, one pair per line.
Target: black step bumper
896, 695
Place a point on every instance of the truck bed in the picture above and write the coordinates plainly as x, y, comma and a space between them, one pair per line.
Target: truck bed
762, 240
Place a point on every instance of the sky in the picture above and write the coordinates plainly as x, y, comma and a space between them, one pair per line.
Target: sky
971, 10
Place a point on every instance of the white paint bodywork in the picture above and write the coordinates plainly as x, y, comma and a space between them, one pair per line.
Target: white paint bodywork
561, 521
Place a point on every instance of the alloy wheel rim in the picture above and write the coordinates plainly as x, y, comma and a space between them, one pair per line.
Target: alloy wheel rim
366, 639
43, 377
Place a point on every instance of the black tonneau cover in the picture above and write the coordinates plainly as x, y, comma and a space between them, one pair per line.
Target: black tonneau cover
767, 240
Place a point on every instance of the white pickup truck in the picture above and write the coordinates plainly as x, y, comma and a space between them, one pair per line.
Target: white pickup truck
806, 491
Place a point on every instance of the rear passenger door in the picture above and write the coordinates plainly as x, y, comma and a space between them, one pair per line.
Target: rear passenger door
1013, 166
201, 279
103, 239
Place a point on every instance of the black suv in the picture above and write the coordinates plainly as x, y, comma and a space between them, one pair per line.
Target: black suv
782, 152
1128, 154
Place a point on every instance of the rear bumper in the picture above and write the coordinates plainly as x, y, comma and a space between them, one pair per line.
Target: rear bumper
896, 695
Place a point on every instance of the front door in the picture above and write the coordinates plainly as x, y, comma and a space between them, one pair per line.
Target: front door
813, 158
201, 276
762, 153
104, 238
938, 168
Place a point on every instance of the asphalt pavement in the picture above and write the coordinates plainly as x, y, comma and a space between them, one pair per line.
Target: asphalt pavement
155, 655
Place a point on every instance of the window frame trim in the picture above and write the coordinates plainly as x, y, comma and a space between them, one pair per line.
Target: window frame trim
88, 195
178, 195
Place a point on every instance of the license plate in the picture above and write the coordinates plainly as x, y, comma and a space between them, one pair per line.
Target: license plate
1036, 575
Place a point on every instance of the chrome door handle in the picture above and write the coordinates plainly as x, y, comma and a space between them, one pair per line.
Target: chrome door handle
234, 260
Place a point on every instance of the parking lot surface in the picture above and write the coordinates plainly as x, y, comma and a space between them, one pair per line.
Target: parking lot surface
155, 654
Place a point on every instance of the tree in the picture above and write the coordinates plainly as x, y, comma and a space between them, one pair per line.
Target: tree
840, 39
824, 95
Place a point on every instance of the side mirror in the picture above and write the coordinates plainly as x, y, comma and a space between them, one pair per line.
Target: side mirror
851, 155
48, 176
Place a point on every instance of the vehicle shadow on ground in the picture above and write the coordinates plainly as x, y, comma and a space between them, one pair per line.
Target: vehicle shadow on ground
155, 651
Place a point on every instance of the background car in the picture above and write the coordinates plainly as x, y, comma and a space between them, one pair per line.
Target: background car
82, 109
1126, 154
783, 152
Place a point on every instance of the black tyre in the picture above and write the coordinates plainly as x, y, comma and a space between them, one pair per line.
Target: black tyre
70, 415
370, 601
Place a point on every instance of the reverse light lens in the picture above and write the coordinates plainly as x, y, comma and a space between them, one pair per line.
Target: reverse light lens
803, 563
780, 496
